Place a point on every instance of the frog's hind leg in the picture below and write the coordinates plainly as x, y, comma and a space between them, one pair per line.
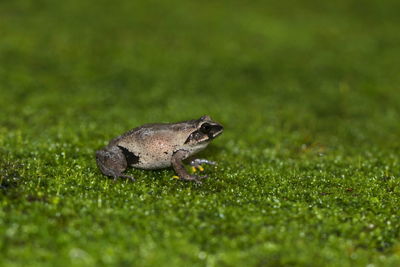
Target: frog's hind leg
112, 162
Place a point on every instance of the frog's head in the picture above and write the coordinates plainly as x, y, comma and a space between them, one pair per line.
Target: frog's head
205, 130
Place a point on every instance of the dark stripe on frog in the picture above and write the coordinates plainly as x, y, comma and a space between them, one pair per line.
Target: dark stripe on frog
129, 156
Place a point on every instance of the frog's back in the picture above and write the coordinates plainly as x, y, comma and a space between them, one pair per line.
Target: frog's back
151, 144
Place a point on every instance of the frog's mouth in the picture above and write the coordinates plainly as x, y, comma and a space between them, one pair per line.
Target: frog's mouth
205, 133
214, 131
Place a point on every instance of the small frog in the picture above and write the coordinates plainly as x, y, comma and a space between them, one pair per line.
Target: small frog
159, 145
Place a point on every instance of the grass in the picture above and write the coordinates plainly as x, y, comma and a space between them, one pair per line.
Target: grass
308, 171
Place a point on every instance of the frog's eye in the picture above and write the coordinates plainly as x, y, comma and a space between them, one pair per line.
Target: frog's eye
205, 128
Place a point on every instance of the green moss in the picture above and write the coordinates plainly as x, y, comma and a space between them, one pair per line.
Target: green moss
308, 169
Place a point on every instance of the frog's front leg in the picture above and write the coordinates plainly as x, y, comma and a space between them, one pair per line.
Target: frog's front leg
112, 162
177, 164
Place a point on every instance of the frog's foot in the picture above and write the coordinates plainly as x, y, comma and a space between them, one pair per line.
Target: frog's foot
196, 164
179, 168
126, 176
116, 175
199, 162
194, 178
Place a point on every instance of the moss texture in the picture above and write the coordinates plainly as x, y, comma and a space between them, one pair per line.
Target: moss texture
308, 92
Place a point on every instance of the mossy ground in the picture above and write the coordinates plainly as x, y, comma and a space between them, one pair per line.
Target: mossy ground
308, 92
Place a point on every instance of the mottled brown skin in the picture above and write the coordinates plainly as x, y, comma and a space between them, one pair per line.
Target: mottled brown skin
160, 145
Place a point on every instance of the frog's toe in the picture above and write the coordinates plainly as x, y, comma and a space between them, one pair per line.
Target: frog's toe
194, 178
129, 177
197, 178
116, 177
200, 178
198, 162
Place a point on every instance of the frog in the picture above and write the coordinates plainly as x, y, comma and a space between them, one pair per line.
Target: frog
159, 145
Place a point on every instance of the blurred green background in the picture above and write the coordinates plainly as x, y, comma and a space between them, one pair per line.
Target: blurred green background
308, 92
